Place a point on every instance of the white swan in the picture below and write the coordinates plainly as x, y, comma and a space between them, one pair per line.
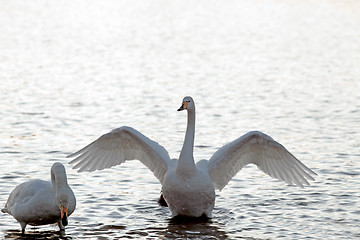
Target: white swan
39, 202
189, 188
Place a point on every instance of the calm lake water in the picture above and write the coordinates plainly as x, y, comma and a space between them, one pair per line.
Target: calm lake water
73, 70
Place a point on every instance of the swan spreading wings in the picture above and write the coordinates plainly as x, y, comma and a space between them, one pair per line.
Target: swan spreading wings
189, 188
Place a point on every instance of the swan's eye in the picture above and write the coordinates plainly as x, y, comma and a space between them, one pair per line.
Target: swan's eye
185, 104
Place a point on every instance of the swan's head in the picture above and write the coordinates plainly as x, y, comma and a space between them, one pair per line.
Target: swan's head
188, 103
59, 181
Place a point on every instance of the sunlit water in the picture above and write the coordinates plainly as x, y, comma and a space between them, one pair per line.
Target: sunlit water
73, 70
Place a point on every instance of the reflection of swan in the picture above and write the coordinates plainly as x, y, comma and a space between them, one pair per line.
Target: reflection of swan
180, 228
189, 188
35, 235
39, 202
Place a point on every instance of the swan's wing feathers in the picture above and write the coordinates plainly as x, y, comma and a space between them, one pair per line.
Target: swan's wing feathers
228, 160
260, 149
119, 145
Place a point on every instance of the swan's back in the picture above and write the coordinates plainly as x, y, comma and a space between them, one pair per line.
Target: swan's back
33, 202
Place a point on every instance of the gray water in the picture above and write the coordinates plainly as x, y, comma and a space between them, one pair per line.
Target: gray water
73, 70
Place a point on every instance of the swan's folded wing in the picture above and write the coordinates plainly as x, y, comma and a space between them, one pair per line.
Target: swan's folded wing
119, 145
260, 149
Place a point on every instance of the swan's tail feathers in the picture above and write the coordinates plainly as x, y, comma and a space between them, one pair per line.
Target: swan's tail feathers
4, 210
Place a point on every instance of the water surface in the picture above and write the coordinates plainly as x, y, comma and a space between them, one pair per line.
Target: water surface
73, 70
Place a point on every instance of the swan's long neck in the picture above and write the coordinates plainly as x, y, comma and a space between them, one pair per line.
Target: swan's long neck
59, 180
186, 159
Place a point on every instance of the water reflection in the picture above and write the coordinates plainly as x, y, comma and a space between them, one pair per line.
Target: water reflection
14, 234
202, 228
182, 228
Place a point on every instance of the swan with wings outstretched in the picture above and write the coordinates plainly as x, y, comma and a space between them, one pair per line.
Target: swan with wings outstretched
188, 188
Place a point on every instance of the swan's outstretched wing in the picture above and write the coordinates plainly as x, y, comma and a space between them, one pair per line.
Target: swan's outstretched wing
260, 149
119, 145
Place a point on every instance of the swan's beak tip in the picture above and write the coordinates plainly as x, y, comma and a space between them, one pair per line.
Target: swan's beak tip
64, 216
64, 221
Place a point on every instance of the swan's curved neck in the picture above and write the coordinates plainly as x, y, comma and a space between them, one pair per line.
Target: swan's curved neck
58, 180
186, 159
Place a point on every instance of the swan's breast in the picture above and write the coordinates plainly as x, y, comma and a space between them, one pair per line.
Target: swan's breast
189, 194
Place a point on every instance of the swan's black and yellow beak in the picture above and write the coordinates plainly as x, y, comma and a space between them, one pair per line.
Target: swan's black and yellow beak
64, 216
183, 106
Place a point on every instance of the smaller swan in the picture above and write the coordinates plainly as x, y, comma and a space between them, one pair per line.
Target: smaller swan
39, 202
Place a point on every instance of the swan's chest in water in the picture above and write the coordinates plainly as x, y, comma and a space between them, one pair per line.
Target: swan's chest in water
189, 194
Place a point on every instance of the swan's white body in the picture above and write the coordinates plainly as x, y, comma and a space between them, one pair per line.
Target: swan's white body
189, 193
189, 188
39, 202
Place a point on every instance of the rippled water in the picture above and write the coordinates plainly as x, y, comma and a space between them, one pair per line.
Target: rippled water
73, 70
